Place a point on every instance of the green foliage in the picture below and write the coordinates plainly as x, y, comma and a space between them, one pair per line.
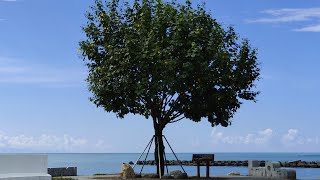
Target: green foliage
166, 60
61, 178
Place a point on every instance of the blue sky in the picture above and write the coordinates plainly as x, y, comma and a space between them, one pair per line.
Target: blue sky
44, 104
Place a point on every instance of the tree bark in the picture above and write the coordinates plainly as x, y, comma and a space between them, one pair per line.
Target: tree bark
159, 150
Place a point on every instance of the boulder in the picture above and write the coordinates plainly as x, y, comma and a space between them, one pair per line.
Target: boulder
233, 173
177, 174
167, 176
314, 165
149, 176
300, 164
127, 172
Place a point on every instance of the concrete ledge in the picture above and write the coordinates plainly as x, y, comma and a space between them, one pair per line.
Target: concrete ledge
24, 166
116, 176
26, 176
23, 163
297, 163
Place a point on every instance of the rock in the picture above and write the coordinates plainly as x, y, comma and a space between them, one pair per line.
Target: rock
313, 165
131, 163
167, 176
296, 161
234, 173
127, 172
300, 164
182, 176
177, 174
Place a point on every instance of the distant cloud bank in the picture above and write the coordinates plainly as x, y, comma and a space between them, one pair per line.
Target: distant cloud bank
315, 28
293, 138
267, 140
288, 140
49, 143
287, 15
262, 137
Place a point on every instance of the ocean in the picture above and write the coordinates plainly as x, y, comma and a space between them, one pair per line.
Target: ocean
107, 163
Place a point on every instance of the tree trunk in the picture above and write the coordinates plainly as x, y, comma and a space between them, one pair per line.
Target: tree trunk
159, 151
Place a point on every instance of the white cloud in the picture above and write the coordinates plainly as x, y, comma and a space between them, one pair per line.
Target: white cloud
291, 135
315, 28
262, 137
287, 15
266, 132
43, 142
50, 143
9, 0
19, 72
294, 138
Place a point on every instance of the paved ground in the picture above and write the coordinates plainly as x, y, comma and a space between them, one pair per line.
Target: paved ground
214, 177
95, 177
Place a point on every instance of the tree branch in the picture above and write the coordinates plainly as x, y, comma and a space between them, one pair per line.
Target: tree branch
142, 100
175, 115
176, 120
164, 102
167, 101
171, 110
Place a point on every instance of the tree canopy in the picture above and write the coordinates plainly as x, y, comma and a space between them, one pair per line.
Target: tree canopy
166, 60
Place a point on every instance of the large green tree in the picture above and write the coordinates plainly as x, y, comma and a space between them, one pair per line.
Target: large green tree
166, 61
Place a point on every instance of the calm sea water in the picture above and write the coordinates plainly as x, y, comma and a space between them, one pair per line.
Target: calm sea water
89, 164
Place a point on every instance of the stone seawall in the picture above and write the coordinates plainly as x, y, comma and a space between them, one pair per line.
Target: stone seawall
298, 163
62, 171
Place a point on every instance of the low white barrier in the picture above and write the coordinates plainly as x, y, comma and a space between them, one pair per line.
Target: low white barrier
24, 166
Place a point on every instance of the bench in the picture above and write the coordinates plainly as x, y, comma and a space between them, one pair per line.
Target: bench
24, 167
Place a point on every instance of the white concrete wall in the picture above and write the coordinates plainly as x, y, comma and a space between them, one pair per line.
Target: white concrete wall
23, 163
24, 166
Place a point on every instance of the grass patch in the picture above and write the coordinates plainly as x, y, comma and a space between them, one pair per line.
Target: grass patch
61, 178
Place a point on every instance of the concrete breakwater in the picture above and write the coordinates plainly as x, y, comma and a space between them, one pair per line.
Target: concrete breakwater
298, 163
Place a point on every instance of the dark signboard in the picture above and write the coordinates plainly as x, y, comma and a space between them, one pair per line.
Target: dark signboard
202, 157
207, 158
